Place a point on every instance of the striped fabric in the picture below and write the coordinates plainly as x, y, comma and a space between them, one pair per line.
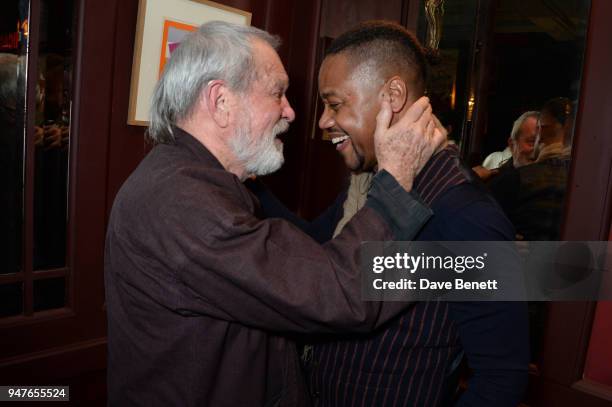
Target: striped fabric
405, 364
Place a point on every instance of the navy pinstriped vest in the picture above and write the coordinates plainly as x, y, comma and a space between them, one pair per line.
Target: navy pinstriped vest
407, 363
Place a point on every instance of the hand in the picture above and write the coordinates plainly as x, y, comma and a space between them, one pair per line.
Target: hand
442, 130
404, 148
484, 173
53, 136
38, 135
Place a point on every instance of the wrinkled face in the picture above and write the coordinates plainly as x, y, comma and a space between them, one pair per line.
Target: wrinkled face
522, 148
351, 99
265, 113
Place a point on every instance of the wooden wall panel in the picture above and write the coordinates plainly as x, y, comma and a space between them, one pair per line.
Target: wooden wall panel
303, 20
587, 217
341, 15
90, 127
598, 367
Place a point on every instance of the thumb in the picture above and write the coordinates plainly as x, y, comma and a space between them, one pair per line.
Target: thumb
383, 119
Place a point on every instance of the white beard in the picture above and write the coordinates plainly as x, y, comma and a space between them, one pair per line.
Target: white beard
260, 156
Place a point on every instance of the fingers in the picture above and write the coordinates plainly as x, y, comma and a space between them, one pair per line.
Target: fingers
429, 130
440, 126
383, 119
415, 111
437, 121
425, 118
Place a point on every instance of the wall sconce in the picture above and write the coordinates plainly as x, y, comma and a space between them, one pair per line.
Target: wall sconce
453, 99
471, 103
25, 27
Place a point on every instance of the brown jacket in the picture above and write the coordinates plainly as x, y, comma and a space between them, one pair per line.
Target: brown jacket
201, 293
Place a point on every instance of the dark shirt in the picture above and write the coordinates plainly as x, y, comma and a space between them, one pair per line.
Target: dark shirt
533, 197
412, 360
200, 292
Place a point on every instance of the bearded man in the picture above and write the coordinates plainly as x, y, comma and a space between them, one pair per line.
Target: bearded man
200, 291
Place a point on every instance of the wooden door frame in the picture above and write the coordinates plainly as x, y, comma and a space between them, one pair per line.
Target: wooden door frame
587, 216
58, 344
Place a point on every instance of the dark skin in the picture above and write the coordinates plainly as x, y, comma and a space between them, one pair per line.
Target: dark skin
352, 95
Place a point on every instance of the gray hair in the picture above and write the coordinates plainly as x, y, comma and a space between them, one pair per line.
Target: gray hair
516, 127
216, 51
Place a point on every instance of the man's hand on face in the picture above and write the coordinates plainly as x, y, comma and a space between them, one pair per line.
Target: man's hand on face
404, 148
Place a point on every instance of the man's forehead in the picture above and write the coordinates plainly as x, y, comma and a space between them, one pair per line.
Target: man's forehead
271, 69
332, 77
530, 121
341, 75
276, 78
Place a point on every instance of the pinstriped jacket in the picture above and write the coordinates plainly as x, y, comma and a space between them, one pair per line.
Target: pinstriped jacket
410, 362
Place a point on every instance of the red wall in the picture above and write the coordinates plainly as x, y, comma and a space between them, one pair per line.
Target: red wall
598, 366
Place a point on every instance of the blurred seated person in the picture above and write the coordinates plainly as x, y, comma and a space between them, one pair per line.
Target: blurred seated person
520, 144
522, 139
497, 158
532, 195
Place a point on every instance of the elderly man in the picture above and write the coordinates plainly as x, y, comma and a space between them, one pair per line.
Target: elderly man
533, 195
523, 137
520, 147
413, 360
200, 291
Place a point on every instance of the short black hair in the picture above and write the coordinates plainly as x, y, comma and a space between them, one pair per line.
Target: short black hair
388, 44
559, 108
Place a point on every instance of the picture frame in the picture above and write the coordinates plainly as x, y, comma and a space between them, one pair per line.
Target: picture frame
160, 27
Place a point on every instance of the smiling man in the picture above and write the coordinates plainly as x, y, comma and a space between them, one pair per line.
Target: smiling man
413, 360
349, 83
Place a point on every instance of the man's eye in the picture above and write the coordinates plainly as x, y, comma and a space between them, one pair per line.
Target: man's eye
334, 106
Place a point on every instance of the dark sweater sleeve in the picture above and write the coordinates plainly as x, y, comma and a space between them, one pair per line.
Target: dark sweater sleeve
386, 197
494, 335
320, 229
405, 212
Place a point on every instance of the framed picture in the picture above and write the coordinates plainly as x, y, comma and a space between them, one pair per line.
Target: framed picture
162, 25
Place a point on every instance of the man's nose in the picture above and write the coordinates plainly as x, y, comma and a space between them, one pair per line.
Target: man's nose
326, 121
288, 112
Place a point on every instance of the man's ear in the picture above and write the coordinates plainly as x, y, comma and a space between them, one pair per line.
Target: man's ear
398, 93
217, 99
